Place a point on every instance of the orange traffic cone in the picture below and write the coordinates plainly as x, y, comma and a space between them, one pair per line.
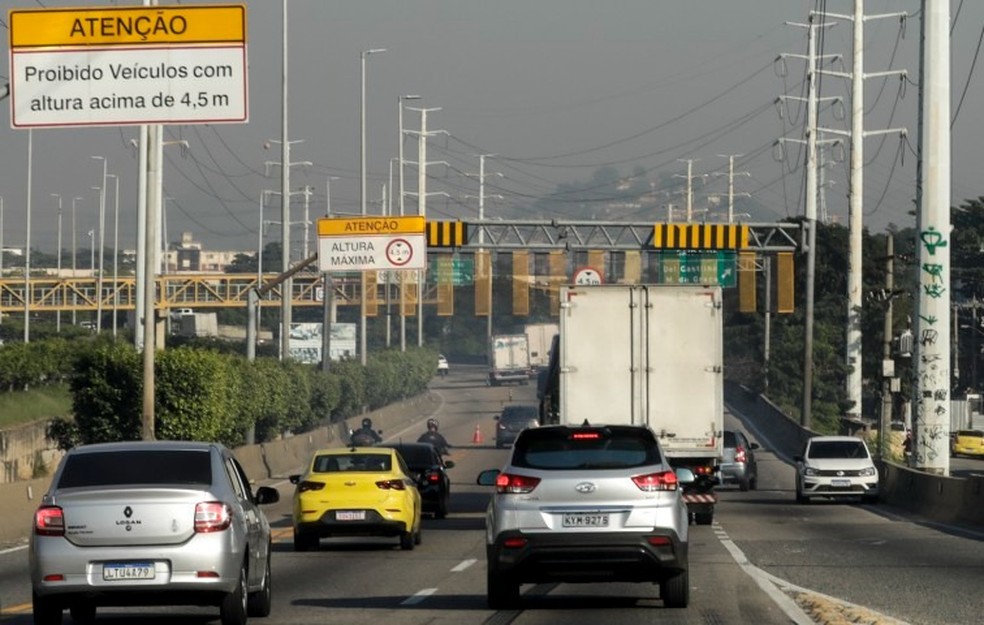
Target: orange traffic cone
477, 436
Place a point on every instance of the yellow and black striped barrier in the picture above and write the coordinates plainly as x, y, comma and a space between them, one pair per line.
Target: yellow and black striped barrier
700, 236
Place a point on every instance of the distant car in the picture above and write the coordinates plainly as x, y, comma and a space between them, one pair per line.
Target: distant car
442, 365
356, 491
585, 504
968, 443
738, 464
836, 466
514, 419
151, 523
429, 470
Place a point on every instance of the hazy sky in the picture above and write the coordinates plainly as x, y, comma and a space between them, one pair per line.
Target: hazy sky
556, 89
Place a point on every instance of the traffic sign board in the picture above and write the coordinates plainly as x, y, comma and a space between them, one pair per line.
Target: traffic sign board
128, 65
371, 243
587, 275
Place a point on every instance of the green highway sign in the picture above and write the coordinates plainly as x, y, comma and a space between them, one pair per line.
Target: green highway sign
697, 267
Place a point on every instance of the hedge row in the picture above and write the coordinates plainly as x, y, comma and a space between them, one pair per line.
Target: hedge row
203, 394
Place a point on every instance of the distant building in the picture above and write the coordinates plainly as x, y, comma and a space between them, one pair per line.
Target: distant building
187, 256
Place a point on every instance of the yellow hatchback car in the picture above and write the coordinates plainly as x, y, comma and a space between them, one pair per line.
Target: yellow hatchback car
968, 443
356, 491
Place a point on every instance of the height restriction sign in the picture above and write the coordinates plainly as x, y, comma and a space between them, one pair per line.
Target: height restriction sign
128, 65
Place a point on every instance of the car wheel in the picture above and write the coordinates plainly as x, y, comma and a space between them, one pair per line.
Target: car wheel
675, 592
82, 612
260, 602
305, 541
407, 541
753, 483
703, 518
418, 536
232, 610
800, 497
503, 593
744, 484
869, 499
46, 612
442, 507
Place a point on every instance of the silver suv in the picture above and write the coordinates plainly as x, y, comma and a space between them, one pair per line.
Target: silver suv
151, 523
586, 504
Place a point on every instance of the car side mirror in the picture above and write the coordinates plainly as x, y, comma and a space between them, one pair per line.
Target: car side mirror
449, 464
294, 479
798, 458
487, 477
266, 494
685, 475
753, 445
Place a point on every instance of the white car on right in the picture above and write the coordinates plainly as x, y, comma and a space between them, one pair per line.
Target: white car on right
836, 466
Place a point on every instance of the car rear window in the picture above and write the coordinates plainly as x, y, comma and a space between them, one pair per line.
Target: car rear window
971, 433
585, 448
838, 449
730, 440
334, 463
137, 467
416, 456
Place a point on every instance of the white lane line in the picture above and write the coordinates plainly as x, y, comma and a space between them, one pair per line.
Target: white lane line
464, 565
418, 596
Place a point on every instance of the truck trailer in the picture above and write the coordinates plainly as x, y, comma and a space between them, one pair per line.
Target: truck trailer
539, 336
649, 355
509, 359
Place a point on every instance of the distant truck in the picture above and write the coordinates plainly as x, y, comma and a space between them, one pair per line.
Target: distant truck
197, 324
509, 359
645, 354
539, 336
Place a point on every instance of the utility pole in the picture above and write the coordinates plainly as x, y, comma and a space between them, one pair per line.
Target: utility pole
690, 187
481, 233
931, 381
403, 274
856, 226
888, 365
731, 184
422, 164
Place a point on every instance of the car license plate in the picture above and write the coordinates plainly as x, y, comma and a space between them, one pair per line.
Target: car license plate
840, 483
350, 515
129, 570
585, 519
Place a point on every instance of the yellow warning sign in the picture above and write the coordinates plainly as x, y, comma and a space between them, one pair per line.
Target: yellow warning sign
114, 26
370, 226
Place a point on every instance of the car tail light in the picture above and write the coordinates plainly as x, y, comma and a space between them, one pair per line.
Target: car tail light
512, 484
212, 516
659, 541
664, 480
49, 521
434, 477
703, 470
585, 436
306, 485
517, 542
739, 454
391, 485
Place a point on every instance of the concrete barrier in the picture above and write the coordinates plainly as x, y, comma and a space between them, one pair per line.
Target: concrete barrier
20, 499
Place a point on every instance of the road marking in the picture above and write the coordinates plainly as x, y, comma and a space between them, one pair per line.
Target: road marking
464, 565
419, 596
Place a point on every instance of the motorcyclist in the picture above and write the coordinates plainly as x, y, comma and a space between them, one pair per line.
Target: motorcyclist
365, 436
435, 438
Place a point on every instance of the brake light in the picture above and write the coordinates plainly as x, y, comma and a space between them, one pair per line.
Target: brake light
703, 470
306, 486
585, 436
212, 516
391, 485
433, 477
665, 480
512, 484
739, 454
49, 521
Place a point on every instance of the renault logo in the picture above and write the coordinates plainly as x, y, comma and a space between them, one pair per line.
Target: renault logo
585, 488
128, 512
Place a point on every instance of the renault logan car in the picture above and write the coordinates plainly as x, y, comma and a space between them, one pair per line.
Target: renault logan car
356, 491
151, 523
586, 504
836, 466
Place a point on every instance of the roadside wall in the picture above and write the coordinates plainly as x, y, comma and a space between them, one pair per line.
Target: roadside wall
943, 499
273, 460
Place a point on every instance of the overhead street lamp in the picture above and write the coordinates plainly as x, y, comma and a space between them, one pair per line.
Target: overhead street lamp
75, 260
116, 247
362, 194
403, 317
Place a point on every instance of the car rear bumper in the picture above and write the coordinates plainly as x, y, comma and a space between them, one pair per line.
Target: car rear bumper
590, 557
373, 525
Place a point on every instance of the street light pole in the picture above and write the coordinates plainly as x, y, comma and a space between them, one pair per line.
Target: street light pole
27, 250
57, 195
362, 194
403, 284
75, 261
102, 242
116, 247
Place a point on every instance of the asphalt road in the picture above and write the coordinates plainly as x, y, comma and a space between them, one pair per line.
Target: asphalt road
766, 560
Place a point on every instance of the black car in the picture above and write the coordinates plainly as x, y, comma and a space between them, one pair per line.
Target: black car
429, 469
514, 419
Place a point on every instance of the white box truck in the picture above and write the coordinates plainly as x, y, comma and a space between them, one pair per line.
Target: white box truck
509, 359
539, 336
645, 354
